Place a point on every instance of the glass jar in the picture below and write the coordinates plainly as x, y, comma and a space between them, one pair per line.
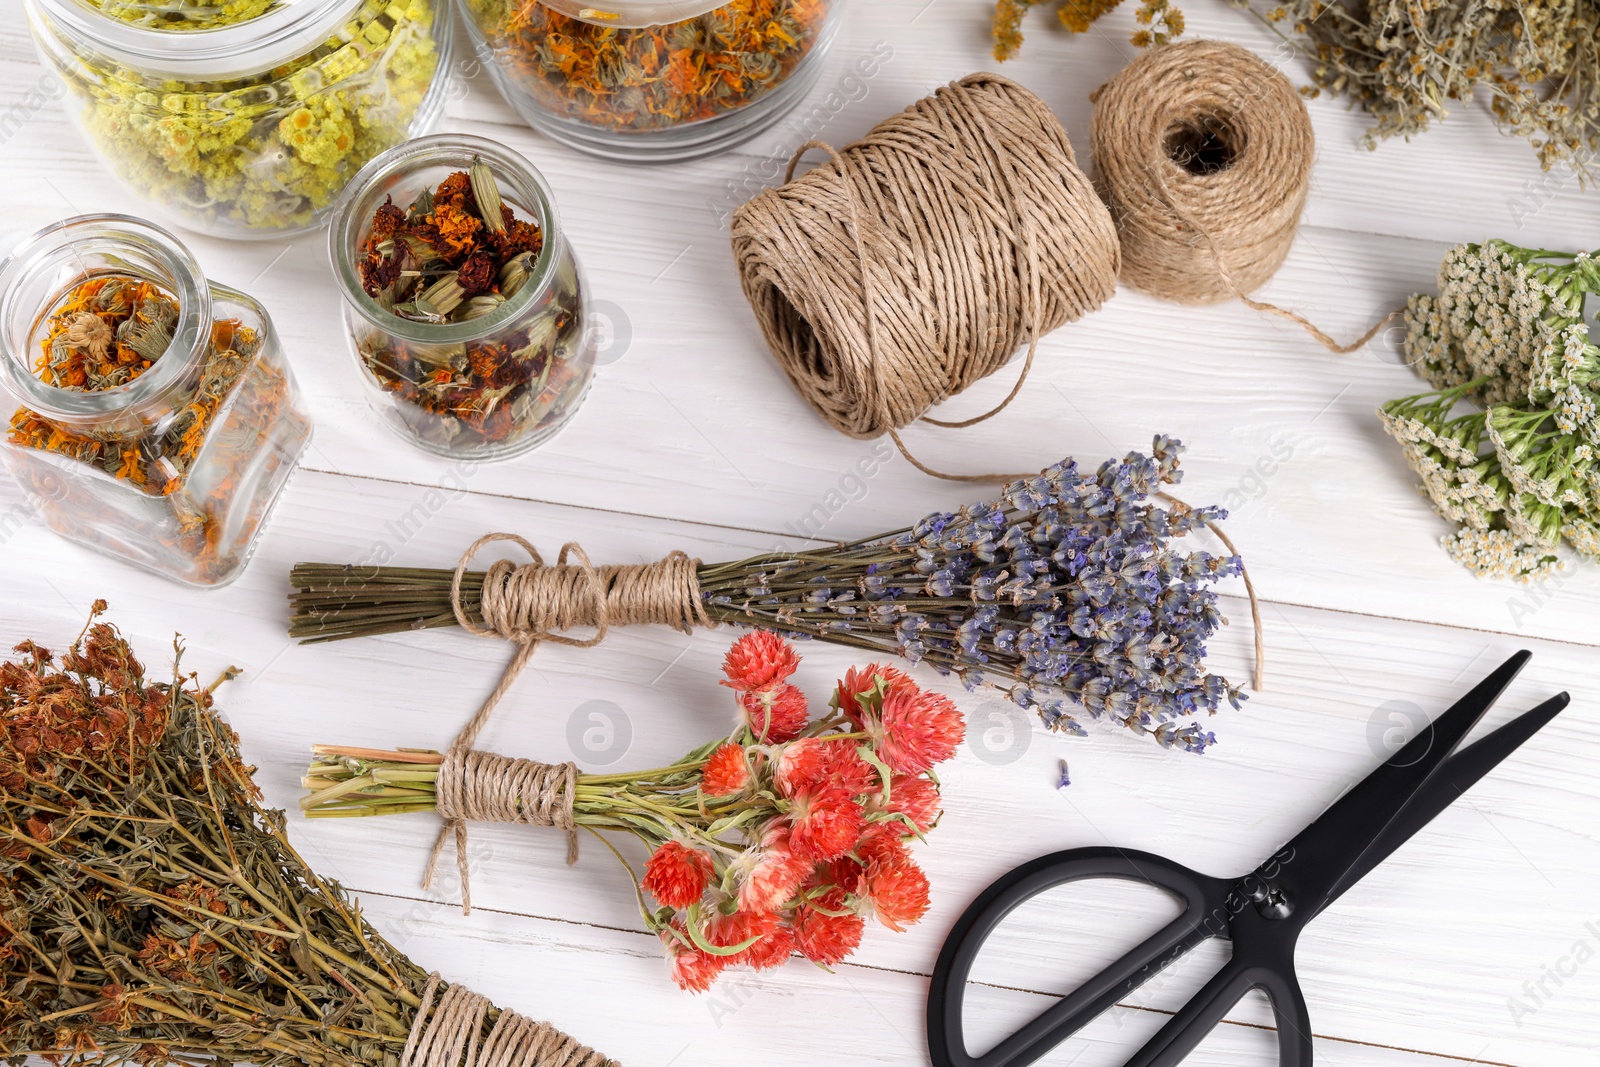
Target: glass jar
159, 420
246, 119
496, 384
653, 80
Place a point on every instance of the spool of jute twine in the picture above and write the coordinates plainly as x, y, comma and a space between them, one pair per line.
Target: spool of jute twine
923, 257
448, 1032
1203, 153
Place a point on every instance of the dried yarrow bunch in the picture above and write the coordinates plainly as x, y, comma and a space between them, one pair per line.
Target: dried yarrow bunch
1537, 61
1507, 443
784, 837
151, 911
1160, 22
1069, 591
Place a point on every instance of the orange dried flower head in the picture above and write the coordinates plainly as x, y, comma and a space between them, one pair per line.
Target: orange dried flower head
827, 822
692, 969
825, 930
677, 875
917, 728
899, 892
759, 660
726, 772
776, 715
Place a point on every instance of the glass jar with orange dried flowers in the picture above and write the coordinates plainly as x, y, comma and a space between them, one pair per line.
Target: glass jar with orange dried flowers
653, 80
464, 303
158, 419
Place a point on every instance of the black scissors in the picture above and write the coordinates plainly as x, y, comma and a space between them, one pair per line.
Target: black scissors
1262, 913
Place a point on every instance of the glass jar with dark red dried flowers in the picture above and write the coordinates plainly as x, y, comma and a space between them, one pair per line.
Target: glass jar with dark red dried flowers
158, 418
464, 304
653, 80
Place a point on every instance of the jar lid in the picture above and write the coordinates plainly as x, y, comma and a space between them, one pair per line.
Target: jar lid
197, 49
633, 14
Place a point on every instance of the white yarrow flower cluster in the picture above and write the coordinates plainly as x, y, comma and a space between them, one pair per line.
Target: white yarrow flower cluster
1508, 445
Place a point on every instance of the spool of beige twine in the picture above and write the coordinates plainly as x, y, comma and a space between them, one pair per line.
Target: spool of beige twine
1203, 153
923, 257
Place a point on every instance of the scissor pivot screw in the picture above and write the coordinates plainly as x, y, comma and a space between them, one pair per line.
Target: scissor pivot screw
1274, 904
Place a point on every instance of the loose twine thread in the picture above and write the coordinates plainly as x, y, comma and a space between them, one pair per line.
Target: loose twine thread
527, 605
444, 1032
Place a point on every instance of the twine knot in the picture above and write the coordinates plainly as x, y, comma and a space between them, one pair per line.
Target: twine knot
528, 604
447, 1030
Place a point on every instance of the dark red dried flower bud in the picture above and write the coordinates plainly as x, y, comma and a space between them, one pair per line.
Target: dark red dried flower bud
477, 274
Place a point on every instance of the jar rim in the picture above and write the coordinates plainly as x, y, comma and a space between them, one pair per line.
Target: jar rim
523, 185
48, 249
269, 40
632, 14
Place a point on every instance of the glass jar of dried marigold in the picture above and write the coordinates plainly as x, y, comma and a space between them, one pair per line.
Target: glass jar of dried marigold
464, 304
653, 80
246, 118
158, 420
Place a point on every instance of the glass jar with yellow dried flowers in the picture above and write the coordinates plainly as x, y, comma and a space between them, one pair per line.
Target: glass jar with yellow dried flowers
653, 80
246, 118
464, 303
158, 419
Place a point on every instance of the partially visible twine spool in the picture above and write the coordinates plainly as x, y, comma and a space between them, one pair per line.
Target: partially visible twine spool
923, 257
1203, 153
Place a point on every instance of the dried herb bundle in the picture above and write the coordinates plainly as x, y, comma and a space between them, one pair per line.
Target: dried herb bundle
151, 910
1160, 21
1508, 444
784, 838
1538, 61
1067, 591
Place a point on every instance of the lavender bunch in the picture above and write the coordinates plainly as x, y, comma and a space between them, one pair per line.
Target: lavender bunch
1506, 444
1068, 593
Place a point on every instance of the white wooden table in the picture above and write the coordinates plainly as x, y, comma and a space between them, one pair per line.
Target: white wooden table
692, 439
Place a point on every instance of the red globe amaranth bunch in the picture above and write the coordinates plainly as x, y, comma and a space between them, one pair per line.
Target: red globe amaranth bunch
807, 821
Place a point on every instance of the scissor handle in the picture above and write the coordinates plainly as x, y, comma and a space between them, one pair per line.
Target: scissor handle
1205, 915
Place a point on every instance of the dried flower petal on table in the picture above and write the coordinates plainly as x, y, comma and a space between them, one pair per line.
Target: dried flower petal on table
757, 848
1506, 443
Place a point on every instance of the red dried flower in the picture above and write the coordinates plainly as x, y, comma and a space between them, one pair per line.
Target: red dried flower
477, 274
802, 765
827, 823
916, 798
882, 842
726, 771
917, 728
776, 874
759, 660
899, 892
777, 714
774, 946
677, 875
860, 680
827, 938
693, 969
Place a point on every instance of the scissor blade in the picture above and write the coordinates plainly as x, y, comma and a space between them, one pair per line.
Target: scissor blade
1323, 854
1459, 773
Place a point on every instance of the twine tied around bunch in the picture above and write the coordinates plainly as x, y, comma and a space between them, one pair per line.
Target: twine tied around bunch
527, 605
446, 1031
1203, 153
921, 258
